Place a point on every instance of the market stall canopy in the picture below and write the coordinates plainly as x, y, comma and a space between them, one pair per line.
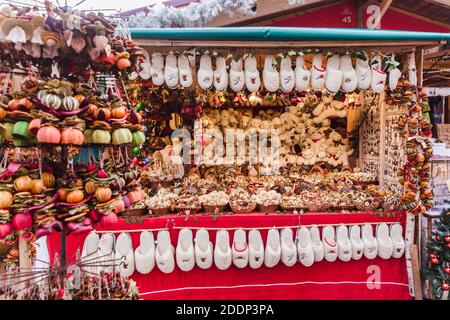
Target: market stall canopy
284, 37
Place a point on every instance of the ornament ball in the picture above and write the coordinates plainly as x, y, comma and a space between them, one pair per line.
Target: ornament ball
445, 287
447, 239
434, 261
447, 270
136, 150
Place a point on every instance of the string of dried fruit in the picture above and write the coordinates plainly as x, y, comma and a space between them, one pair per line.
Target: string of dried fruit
415, 127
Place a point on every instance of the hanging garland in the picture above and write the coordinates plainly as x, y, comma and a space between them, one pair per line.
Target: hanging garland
195, 14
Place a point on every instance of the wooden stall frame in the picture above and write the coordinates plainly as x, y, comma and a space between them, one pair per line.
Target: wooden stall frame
262, 46
402, 47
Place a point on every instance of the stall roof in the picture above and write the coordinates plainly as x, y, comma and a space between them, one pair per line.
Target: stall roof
286, 34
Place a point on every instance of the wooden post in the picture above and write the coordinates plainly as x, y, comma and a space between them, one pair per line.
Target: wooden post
63, 255
429, 234
360, 8
419, 67
409, 242
24, 254
416, 272
25, 261
382, 106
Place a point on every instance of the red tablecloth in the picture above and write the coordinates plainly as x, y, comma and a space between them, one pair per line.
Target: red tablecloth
363, 279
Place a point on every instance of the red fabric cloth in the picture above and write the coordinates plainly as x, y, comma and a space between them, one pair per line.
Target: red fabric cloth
323, 280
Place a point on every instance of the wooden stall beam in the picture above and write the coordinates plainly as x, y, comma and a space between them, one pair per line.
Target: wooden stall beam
386, 46
444, 2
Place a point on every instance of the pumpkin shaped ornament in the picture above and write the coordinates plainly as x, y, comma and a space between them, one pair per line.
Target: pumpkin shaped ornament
72, 136
23, 183
6, 199
92, 108
41, 94
48, 179
51, 101
70, 104
49, 134
101, 137
119, 112
88, 136
138, 138
75, 196
37, 186
122, 136
90, 187
103, 194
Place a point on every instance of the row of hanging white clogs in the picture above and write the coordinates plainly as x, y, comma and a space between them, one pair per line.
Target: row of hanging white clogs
339, 73
307, 247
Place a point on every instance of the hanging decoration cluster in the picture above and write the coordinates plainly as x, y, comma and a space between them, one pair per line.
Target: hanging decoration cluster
195, 14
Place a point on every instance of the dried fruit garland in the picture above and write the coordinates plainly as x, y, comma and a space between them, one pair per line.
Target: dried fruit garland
46, 118
415, 127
